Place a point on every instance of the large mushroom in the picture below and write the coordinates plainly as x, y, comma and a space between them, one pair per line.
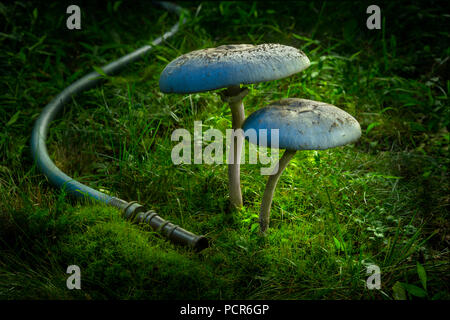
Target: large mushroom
229, 66
303, 125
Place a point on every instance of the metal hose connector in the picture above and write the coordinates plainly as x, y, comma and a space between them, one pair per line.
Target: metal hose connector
131, 210
135, 212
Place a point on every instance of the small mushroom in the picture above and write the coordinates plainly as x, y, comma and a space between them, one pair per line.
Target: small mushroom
229, 66
303, 125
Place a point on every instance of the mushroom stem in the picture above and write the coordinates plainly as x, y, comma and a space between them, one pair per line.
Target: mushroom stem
234, 96
266, 202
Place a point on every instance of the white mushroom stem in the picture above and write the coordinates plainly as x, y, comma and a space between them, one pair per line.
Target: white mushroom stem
266, 202
234, 96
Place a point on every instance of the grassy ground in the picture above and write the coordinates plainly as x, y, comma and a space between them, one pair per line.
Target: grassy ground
383, 200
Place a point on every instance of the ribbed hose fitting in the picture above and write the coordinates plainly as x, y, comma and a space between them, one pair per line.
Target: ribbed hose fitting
137, 214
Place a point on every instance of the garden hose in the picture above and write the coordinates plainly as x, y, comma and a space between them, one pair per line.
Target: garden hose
132, 211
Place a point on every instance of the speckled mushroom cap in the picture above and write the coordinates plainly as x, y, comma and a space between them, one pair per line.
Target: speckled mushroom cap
304, 124
228, 65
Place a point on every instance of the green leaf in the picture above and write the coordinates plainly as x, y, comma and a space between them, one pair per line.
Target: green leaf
375, 174
100, 71
162, 59
309, 40
13, 119
40, 41
353, 56
371, 126
386, 109
398, 291
414, 290
116, 5
337, 243
422, 275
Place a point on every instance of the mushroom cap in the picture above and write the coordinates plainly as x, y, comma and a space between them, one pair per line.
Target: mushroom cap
229, 65
304, 125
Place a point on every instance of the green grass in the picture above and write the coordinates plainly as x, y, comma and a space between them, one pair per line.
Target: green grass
383, 200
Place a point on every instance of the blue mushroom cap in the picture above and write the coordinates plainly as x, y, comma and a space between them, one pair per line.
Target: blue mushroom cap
303, 125
230, 65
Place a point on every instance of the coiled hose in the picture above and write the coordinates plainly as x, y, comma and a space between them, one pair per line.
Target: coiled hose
132, 211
